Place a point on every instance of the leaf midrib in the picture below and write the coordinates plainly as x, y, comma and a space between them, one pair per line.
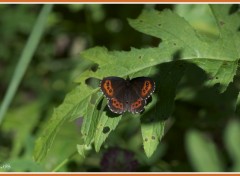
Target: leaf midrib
154, 64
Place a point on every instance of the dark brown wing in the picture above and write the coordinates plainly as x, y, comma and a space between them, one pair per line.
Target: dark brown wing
111, 85
140, 89
136, 103
114, 89
144, 86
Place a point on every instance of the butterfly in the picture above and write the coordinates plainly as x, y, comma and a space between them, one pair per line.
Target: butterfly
127, 95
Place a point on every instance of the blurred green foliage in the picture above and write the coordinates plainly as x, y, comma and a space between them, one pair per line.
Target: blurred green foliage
202, 134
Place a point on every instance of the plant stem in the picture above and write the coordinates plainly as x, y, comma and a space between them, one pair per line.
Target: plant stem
64, 162
25, 58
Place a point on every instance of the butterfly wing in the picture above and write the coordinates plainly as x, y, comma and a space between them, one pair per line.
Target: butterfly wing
126, 95
114, 89
144, 86
110, 86
139, 91
136, 103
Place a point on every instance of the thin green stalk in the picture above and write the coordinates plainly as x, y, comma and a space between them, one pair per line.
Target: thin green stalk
25, 58
64, 162
87, 13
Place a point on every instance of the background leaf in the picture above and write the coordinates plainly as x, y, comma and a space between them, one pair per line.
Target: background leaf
203, 153
232, 143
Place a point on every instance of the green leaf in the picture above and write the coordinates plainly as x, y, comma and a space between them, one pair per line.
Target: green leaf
105, 125
89, 126
162, 106
232, 142
221, 67
98, 125
202, 153
180, 48
128, 63
152, 133
73, 106
199, 16
217, 57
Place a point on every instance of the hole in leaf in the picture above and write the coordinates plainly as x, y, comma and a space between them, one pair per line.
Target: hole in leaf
106, 130
221, 23
146, 139
92, 82
153, 138
94, 67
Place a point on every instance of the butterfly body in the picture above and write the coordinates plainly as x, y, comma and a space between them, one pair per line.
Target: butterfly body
127, 95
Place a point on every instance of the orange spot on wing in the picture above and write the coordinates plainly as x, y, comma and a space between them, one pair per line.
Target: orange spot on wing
147, 87
107, 86
136, 104
117, 104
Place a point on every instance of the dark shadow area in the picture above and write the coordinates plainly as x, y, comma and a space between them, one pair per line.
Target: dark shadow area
99, 105
117, 159
176, 55
234, 8
109, 113
208, 110
182, 93
92, 82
